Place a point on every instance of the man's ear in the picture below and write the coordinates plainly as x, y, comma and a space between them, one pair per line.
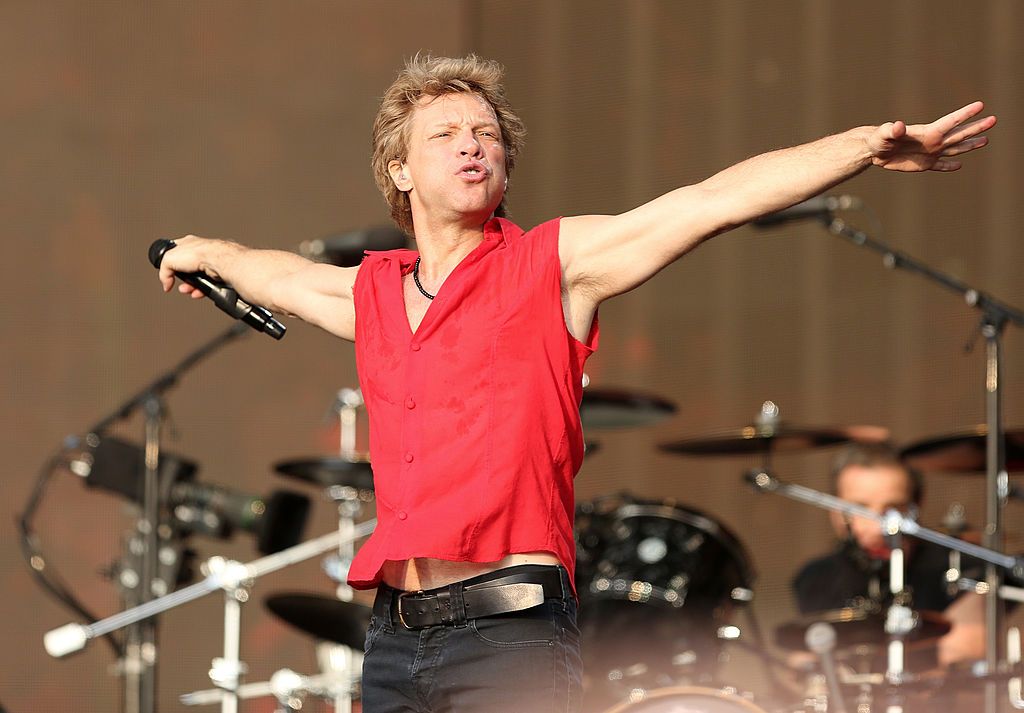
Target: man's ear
398, 174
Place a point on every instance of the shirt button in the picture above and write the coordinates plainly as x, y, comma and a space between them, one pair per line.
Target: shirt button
402, 514
415, 347
409, 403
408, 457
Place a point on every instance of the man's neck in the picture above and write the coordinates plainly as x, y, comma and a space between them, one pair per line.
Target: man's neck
441, 248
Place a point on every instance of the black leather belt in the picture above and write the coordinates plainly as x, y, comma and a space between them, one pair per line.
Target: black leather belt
501, 592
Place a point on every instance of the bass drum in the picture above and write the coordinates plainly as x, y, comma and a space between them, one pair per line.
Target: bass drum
656, 580
688, 699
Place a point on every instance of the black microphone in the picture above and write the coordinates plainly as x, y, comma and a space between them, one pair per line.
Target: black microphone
817, 207
224, 296
346, 250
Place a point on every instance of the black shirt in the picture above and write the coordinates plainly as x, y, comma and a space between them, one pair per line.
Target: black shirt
848, 578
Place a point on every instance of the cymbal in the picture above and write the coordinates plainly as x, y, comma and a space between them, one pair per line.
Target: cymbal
776, 438
327, 471
323, 617
612, 408
963, 452
858, 627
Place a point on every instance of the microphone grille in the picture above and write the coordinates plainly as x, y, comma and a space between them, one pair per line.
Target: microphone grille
820, 637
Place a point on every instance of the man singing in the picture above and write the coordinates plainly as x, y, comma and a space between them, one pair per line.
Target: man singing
470, 353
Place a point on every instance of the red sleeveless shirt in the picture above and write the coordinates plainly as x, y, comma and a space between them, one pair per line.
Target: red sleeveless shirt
475, 432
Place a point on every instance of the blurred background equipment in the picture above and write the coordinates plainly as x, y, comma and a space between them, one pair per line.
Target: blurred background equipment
346, 249
277, 521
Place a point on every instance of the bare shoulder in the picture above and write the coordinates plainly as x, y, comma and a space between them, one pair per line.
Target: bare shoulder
575, 232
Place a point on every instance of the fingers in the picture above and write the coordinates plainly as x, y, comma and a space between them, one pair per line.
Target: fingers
180, 257
191, 291
965, 146
946, 165
892, 130
166, 279
955, 118
968, 130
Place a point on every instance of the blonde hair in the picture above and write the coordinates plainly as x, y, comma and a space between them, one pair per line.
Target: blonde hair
426, 76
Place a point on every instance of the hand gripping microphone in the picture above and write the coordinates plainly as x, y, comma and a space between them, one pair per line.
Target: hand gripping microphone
224, 296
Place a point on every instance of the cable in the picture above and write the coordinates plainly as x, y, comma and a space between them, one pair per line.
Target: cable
31, 550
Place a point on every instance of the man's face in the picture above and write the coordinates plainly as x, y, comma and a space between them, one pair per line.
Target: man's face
455, 170
878, 488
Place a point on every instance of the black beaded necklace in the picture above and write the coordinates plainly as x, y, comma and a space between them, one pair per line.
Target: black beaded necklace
416, 279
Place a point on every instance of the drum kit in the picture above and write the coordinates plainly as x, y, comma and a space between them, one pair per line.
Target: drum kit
660, 585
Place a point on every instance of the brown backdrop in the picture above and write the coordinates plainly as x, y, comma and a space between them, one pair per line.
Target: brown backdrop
124, 122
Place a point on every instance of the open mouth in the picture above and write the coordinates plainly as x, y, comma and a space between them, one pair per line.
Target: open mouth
473, 170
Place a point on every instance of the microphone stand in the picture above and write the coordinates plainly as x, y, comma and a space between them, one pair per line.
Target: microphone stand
994, 317
899, 621
139, 663
892, 522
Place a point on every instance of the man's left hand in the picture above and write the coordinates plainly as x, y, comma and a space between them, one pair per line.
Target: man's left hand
929, 147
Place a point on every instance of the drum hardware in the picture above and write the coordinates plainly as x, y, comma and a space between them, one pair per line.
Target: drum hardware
614, 408
821, 640
1005, 591
899, 618
656, 581
330, 471
892, 522
143, 574
1013, 660
995, 315
860, 627
683, 699
322, 617
768, 435
963, 452
234, 579
347, 478
287, 686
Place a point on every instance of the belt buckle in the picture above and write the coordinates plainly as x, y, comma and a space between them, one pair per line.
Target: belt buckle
398, 605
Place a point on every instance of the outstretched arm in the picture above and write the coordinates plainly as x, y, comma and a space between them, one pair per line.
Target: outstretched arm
278, 280
603, 256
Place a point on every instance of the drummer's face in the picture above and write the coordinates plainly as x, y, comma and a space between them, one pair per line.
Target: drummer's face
880, 489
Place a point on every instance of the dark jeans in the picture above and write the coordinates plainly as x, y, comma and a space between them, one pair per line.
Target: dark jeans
523, 661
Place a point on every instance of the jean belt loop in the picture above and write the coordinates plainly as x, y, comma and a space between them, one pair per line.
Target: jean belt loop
563, 574
458, 604
389, 618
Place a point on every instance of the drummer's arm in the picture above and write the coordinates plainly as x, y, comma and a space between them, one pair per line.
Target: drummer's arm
966, 639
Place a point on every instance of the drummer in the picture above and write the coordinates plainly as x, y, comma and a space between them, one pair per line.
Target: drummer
856, 572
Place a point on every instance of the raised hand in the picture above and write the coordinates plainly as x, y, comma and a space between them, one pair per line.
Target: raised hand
929, 147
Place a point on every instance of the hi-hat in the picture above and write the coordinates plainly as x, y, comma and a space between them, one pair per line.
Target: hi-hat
859, 627
323, 617
607, 408
773, 439
328, 471
963, 452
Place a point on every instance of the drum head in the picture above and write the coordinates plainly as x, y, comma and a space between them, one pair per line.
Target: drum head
688, 699
655, 579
